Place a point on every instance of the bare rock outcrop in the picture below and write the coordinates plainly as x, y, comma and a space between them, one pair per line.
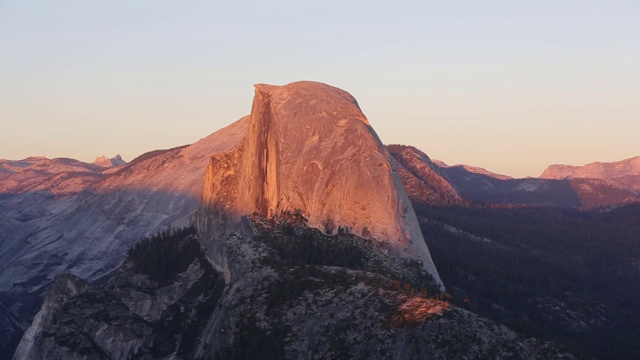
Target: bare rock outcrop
625, 173
559, 171
287, 305
62, 215
595, 170
140, 313
105, 162
424, 182
310, 148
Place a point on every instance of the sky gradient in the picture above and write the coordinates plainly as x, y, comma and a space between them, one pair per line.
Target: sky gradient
512, 86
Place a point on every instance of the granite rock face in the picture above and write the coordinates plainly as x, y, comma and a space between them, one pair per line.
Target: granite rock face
106, 162
59, 177
310, 149
595, 170
424, 182
80, 221
135, 316
346, 301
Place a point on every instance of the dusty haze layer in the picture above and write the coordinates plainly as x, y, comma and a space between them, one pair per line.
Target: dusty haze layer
310, 148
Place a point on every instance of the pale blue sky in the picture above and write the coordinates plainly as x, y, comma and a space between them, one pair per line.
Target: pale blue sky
512, 86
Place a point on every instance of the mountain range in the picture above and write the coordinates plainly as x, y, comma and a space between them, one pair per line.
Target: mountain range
87, 229
294, 232
624, 173
464, 185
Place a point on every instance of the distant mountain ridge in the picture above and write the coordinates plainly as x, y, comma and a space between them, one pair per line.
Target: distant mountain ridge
625, 173
58, 176
431, 182
595, 170
473, 169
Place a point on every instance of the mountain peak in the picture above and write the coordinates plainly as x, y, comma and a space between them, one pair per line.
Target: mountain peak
103, 161
36, 158
311, 149
624, 173
313, 97
595, 170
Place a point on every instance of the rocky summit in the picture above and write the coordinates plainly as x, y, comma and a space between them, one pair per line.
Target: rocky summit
105, 162
624, 173
311, 149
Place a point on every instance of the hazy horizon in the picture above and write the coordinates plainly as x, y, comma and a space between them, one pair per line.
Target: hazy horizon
508, 86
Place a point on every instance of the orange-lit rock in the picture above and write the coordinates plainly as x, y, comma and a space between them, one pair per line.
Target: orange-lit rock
310, 148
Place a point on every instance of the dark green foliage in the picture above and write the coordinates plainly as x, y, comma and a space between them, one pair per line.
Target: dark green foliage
600, 193
165, 254
162, 257
296, 281
253, 342
203, 310
542, 264
267, 339
312, 247
309, 267
293, 244
71, 326
183, 321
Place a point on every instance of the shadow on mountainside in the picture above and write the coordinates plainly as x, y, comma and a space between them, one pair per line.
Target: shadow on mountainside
87, 235
562, 274
566, 193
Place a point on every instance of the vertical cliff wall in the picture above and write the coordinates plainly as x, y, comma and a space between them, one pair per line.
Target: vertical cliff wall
310, 148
